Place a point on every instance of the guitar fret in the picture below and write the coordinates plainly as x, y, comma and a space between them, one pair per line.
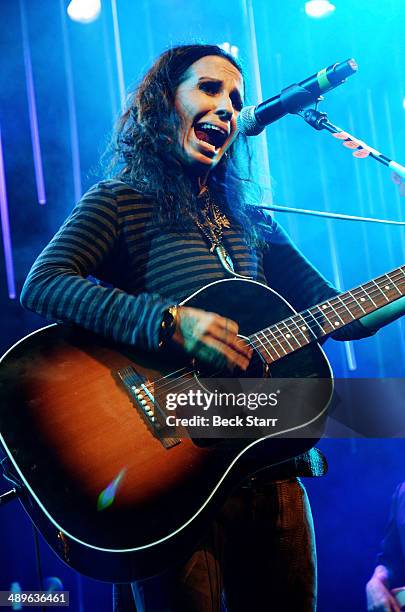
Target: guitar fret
316, 322
279, 343
269, 341
286, 339
322, 308
264, 346
290, 333
307, 327
299, 328
357, 302
336, 313
381, 291
341, 300
368, 296
393, 282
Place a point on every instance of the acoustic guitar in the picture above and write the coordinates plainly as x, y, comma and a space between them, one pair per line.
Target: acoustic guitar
81, 428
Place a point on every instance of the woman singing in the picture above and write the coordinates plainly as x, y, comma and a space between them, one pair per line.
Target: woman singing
175, 217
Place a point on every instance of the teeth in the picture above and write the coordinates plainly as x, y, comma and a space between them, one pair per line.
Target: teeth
210, 126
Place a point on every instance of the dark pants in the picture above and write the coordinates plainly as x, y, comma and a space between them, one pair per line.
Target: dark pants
259, 555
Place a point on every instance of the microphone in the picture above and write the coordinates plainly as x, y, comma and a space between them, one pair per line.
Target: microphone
253, 119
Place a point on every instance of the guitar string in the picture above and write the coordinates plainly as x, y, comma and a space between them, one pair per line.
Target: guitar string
318, 317
321, 314
183, 383
341, 306
188, 371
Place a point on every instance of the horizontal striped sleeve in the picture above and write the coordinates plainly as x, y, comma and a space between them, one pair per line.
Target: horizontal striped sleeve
58, 290
290, 273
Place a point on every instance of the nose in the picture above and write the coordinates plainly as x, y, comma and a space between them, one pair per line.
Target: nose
225, 108
224, 114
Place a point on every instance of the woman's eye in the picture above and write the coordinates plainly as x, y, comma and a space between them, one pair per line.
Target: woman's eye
237, 103
209, 87
212, 88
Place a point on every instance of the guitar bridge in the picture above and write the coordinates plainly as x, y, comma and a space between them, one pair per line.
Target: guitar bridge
146, 404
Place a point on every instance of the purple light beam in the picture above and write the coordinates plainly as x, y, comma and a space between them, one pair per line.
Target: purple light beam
32, 108
5, 229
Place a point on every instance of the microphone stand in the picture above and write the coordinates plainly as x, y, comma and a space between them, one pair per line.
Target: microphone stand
319, 121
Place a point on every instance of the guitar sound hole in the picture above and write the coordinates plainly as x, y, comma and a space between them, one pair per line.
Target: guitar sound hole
256, 367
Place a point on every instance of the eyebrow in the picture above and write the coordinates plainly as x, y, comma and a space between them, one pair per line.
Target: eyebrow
214, 80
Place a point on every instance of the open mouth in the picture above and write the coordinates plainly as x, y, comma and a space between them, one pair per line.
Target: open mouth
210, 133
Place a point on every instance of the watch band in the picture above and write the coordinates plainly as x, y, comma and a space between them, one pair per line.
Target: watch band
168, 325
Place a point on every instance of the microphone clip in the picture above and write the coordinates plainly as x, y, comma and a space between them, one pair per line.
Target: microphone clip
315, 118
295, 97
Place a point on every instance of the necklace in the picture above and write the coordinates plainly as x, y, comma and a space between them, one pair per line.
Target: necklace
211, 221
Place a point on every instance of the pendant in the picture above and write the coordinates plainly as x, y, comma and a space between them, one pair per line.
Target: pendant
227, 262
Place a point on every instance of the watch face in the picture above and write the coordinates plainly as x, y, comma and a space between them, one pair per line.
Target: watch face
169, 319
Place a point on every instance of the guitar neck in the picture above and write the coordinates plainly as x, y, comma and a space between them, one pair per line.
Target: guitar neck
321, 320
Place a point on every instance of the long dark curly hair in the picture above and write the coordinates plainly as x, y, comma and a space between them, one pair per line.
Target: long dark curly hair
144, 143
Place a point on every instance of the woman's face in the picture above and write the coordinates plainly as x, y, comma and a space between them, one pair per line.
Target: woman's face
208, 102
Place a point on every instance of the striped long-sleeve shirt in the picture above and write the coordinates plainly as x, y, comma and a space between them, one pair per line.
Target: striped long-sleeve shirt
111, 235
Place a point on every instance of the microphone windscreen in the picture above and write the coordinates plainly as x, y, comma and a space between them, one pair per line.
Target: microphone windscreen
247, 122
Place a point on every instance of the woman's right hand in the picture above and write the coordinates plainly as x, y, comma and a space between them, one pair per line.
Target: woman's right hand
211, 338
379, 597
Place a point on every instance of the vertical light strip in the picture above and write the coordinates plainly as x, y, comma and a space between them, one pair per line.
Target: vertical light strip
321, 145
32, 108
80, 599
148, 29
280, 135
262, 144
363, 203
5, 228
365, 194
398, 208
371, 170
392, 153
361, 199
337, 275
110, 78
74, 138
118, 54
377, 171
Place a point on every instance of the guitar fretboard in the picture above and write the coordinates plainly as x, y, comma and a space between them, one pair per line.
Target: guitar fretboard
308, 326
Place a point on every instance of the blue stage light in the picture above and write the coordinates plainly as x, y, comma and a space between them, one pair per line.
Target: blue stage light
234, 50
231, 49
319, 8
403, 103
84, 11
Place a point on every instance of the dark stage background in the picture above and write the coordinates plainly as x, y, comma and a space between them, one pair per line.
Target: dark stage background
61, 87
